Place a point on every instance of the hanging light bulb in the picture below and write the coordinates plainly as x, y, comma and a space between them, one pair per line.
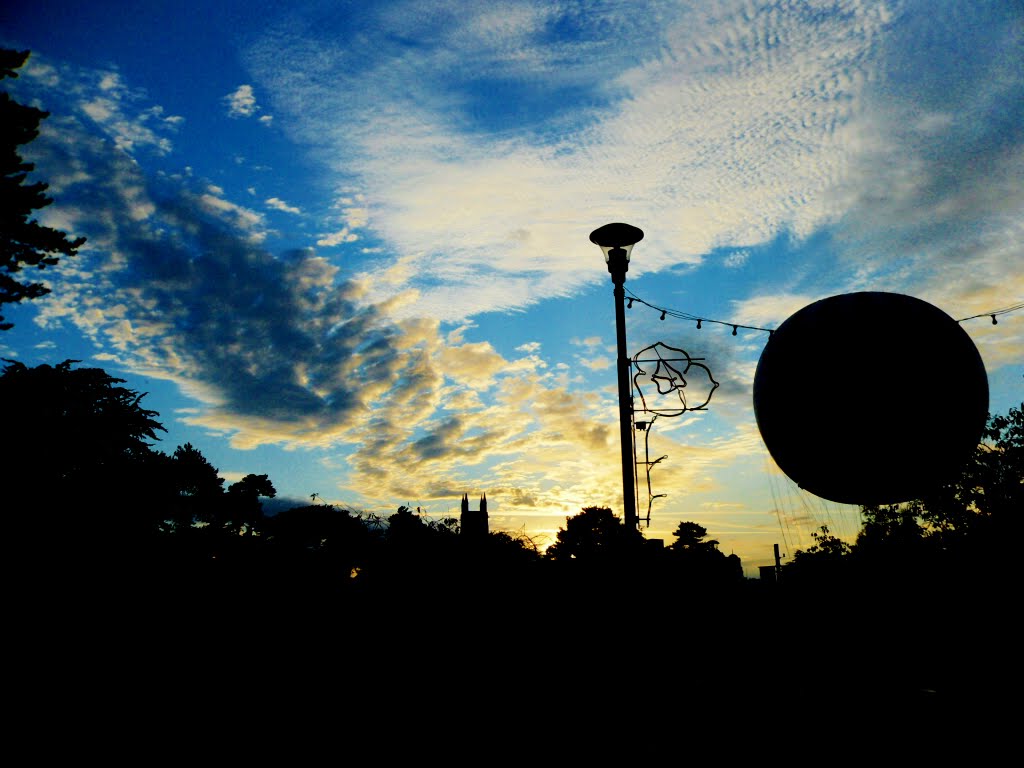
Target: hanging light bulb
630, 304
734, 330
994, 321
698, 325
663, 314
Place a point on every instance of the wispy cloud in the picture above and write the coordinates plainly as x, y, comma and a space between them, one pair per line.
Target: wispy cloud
728, 126
337, 238
737, 259
597, 363
280, 205
114, 109
244, 219
241, 102
752, 108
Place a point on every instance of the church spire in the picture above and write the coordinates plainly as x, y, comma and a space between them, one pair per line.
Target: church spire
474, 521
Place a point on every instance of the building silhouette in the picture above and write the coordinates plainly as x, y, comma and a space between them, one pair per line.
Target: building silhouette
473, 522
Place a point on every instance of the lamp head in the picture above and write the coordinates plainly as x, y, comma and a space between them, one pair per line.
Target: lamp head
616, 236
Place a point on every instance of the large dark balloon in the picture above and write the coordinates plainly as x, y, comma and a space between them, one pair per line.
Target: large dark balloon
870, 398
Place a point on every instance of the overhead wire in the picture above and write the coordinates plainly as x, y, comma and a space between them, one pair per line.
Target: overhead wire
779, 512
995, 313
700, 319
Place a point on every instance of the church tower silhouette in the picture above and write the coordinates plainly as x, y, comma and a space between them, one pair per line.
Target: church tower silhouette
473, 522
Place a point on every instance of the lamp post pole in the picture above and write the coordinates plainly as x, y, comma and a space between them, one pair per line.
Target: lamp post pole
616, 241
625, 395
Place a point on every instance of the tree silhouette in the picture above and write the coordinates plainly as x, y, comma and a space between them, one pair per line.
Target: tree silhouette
79, 478
515, 547
244, 507
199, 488
959, 533
890, 532
406, 527
316, 550
826, 561
595, 533
698, 560
254, 486
24, 242
690, 537
71, 435
964, 527
987, 497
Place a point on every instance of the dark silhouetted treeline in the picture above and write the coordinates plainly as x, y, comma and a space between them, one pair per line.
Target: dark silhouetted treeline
88, 492
105, 532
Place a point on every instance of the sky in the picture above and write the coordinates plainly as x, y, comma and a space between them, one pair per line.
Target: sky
346, 244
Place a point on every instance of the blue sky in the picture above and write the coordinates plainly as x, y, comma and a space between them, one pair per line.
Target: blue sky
346, 244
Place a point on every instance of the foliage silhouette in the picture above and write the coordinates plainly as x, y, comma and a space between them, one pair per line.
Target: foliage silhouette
73, 434
691, 537
921, 597
102, 521
316, 552
198, 488
958, 528
592, 535
244, 509
984, 502
825, 560
24, 242
697, 559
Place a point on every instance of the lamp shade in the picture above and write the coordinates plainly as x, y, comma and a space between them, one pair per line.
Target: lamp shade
616, 235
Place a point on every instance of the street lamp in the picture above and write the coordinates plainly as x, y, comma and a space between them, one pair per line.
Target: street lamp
616, 241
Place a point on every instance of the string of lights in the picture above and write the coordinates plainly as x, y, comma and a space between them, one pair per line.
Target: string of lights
995, 313
700, 320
